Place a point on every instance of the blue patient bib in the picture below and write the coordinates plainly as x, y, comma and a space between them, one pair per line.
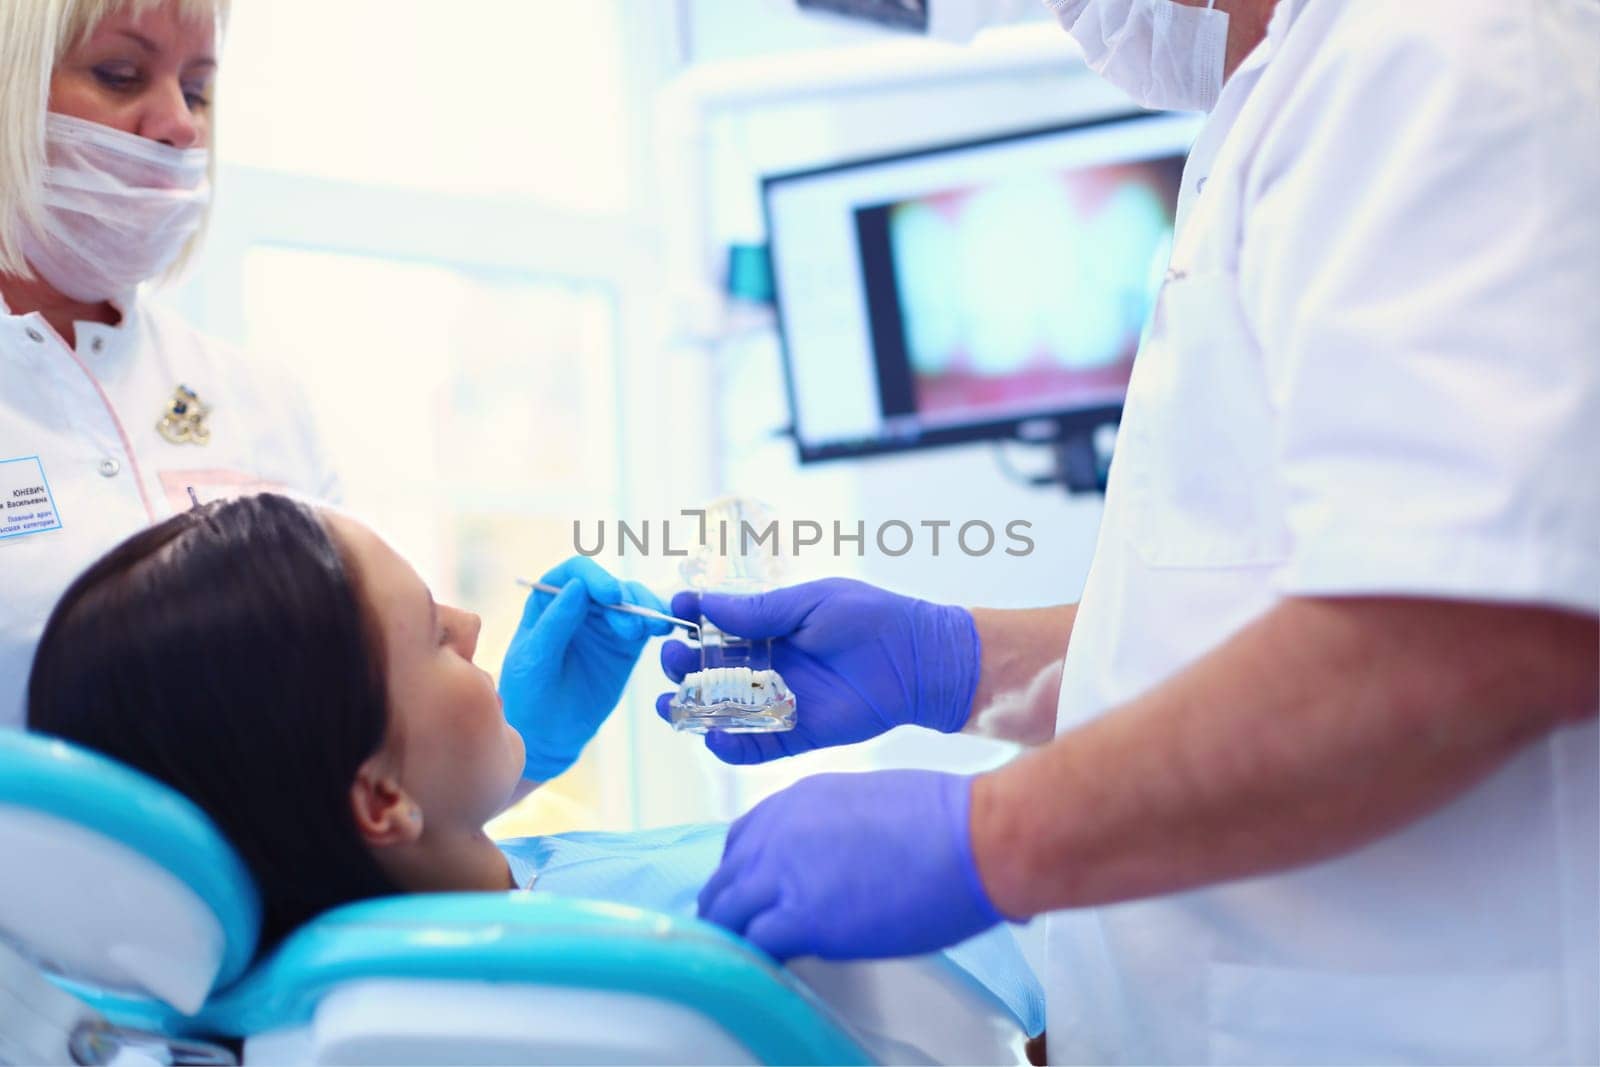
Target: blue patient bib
664, 869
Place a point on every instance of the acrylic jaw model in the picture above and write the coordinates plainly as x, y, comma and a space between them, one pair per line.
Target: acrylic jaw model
735, 690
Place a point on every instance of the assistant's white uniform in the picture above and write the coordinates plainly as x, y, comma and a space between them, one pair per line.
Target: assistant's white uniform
1374, 368
83, 425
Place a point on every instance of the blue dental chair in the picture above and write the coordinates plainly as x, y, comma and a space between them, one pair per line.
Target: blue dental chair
128, 928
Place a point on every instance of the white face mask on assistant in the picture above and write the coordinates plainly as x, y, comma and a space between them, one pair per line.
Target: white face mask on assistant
1162, 53
117, 209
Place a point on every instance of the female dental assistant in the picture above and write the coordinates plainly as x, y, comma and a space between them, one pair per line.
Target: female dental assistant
1317, 775
114, 413
112, 410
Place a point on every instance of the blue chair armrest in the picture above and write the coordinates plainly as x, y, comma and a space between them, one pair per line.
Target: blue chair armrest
517, 937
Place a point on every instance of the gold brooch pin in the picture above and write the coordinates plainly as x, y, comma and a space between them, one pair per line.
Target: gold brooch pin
184, 420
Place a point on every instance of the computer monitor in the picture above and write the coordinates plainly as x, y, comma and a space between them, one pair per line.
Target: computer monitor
988, 289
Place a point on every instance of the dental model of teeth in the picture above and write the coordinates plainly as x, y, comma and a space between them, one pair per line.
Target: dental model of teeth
733, 685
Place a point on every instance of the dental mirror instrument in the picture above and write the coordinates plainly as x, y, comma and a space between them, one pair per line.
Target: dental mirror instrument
626, 609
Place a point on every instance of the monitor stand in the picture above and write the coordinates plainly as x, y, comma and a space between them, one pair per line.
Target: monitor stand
1083, 457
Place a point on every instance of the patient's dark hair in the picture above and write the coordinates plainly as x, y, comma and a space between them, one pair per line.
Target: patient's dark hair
225, 653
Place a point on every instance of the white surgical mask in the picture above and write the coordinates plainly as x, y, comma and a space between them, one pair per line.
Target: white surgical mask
1162, 53
117, 208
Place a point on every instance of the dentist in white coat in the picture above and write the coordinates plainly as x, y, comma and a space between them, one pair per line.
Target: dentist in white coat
1315, 776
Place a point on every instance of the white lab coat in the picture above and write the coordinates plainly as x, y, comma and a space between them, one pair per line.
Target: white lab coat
1374, 368
84, 421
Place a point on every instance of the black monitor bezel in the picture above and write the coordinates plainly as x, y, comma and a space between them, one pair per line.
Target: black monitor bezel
1039, 426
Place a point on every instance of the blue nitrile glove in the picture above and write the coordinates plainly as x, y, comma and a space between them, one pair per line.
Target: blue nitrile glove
860, 660
569, 660
853, 866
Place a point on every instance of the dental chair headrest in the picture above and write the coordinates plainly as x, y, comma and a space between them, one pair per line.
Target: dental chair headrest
115, 881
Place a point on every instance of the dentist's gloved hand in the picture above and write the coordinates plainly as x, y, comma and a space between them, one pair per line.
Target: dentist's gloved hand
852, 866
859, 660
569, 661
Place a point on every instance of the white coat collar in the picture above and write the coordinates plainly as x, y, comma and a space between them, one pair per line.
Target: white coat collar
98, 345
1283, 17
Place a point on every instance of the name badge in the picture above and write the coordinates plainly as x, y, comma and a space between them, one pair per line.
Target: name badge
26, 503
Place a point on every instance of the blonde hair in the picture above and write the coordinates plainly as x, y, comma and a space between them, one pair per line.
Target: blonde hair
34, 36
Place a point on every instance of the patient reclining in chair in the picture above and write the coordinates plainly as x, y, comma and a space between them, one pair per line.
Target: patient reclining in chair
292, 675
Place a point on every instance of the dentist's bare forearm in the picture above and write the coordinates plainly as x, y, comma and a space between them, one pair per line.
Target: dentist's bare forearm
1020, 672
1323, 725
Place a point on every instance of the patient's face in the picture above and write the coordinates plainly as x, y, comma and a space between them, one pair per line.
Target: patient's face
457, 757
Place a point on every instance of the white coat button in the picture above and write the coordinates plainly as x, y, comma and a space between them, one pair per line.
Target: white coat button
98, 343
35, 336
109, 467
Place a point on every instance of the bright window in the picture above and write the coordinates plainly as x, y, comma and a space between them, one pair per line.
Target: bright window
487, 97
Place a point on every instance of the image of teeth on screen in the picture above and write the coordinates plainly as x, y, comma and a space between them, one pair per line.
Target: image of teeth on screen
980, 290
1034, 285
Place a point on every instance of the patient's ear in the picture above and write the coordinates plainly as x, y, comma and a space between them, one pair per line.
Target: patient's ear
385, 815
